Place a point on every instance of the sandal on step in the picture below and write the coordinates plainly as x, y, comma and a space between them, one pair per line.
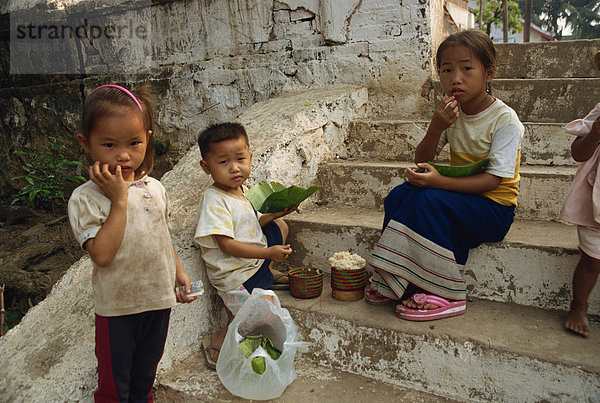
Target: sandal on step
280, 286
206, 347
446, 308
374, 298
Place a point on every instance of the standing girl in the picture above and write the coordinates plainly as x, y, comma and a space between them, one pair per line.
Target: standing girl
582, 207
120, 218
432, 221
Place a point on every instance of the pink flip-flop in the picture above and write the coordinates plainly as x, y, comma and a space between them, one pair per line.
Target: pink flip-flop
446, 308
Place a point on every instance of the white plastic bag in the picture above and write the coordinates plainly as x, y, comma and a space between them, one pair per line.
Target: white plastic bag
259, 317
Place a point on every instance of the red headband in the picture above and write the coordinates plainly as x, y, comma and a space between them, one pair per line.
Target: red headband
125, 90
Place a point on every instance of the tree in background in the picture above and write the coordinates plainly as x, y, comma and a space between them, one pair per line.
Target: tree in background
583, 18
492, 14
580, 16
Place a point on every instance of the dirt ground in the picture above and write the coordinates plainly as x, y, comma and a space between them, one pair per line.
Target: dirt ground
37, 248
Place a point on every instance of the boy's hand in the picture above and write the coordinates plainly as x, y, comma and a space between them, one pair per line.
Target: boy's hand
113, 186
445, 114
278, 253
284, 212
268, 217
429, 178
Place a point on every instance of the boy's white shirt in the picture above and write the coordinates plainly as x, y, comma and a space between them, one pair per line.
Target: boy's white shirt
222, 213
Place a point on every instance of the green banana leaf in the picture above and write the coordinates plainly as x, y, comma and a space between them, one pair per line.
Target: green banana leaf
272, 197
251, 343
457, 171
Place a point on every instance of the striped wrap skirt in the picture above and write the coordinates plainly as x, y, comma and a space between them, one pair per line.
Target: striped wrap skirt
426, 238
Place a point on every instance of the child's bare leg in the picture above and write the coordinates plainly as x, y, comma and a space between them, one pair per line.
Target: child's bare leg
283, 227
584, 279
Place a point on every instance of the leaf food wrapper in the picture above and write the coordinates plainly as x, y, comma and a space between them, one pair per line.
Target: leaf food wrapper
458, 171
251, 343
271, 197
259, 316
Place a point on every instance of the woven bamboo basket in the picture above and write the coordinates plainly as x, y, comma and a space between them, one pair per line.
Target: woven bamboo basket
306, 282
348, 285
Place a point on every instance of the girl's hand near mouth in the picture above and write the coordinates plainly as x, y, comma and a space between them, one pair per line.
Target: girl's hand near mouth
445, 114
113, 186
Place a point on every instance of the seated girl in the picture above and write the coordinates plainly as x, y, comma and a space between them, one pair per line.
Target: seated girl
432, 221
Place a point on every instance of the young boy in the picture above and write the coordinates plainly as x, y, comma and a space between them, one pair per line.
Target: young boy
238, 244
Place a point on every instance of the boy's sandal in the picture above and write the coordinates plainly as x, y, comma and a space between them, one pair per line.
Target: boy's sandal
206, 347
446, 308
374, 298
280, 286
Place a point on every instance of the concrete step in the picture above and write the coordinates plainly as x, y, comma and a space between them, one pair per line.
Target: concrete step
532, 266
494, 352
366, 184
547, 59
396, 140
547, 100
190, 381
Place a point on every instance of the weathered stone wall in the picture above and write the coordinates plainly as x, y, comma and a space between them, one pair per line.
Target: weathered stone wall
208, 61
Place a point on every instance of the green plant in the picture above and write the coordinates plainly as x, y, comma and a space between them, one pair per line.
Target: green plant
11, 320
46, 174
492, 15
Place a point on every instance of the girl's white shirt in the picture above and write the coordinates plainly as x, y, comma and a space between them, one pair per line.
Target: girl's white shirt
141, 276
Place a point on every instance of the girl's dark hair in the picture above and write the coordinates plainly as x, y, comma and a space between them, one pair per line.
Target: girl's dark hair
477, 41
220, 132
104, 101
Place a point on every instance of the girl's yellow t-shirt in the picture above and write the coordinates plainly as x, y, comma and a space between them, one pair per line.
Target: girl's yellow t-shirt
495, 133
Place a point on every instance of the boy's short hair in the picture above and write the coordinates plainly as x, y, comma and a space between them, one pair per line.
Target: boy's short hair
220, 132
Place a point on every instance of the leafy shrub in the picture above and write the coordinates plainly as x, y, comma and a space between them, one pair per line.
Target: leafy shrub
11, 319
46, 174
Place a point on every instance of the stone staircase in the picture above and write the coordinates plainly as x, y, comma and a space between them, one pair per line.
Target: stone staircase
511, 344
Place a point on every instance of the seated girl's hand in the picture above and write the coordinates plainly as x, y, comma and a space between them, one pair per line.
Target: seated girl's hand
278, 253
445, 114
429, 178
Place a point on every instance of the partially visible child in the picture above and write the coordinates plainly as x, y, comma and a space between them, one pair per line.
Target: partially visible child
582, 207
120, 218
238, 244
